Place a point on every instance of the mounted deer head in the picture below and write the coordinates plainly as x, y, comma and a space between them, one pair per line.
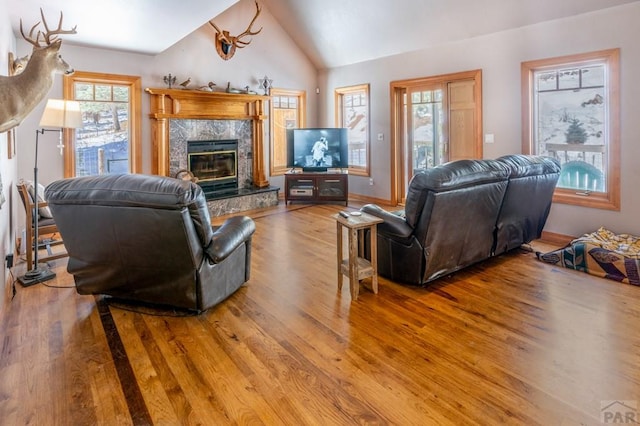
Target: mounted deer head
226, 44
19, 94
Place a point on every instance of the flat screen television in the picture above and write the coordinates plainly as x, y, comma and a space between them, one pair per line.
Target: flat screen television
317, 149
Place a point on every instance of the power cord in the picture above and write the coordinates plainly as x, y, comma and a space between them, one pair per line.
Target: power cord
58, 286
13, 284
147, 309
9, 260
119, 304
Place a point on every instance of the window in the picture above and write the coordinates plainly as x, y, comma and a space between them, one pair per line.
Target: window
571, 112
352, 112
109, 141
425, 125
287, 112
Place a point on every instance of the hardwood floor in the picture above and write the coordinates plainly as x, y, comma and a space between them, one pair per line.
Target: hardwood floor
511, 340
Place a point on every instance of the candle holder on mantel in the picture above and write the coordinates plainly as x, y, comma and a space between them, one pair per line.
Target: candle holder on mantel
265, 83
170, 80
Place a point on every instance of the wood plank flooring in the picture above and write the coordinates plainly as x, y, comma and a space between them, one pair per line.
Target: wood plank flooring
509, 341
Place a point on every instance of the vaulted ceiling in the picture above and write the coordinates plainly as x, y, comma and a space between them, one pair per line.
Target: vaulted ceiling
333, 33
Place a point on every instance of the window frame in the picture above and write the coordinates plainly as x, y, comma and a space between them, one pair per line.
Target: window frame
609, 200
301, 118
339, 94
135, 125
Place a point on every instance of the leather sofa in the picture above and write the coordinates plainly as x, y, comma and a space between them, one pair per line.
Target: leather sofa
149, 239
463, 212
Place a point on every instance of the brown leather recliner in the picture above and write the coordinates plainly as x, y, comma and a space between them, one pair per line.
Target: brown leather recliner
149, 239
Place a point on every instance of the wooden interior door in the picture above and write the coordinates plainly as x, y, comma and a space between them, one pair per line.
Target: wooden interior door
463, 125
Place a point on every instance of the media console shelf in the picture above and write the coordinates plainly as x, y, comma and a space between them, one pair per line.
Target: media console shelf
316, 187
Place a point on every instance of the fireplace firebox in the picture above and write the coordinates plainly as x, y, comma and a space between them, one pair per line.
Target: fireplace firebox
215, 164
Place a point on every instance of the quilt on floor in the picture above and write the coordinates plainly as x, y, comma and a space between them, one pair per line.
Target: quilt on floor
601, 253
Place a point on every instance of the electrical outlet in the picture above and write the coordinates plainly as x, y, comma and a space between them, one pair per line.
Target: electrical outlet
9, 260
370, 181
380, 136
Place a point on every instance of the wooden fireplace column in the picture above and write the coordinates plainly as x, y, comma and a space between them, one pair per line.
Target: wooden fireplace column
195, 104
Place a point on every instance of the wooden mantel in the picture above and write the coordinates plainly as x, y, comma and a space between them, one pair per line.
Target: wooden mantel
195, 104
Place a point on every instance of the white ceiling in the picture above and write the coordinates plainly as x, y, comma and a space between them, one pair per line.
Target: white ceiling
141, 26
340, 32
332, 32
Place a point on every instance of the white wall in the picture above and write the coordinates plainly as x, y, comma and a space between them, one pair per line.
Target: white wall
499, 56
271, 53
7, 167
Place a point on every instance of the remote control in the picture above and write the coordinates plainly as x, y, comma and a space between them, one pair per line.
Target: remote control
344, 214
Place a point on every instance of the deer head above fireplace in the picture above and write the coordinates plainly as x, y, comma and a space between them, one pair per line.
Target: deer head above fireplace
226, 44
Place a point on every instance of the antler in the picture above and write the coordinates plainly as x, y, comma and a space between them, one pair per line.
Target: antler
30, 39
248, 30
215, 27
47, 36
226, 44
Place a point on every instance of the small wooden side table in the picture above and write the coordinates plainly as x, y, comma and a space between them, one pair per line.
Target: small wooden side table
355, 266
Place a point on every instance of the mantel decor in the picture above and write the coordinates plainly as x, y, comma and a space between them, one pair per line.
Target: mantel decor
167, 104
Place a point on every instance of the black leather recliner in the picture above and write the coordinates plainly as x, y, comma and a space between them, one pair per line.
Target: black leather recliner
463, 212
149, 239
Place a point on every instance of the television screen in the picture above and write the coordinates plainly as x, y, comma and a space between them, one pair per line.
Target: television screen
317, 149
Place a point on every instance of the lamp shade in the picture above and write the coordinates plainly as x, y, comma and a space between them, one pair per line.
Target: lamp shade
61, 113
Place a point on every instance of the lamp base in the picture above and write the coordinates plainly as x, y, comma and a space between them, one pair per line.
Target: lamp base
35, 276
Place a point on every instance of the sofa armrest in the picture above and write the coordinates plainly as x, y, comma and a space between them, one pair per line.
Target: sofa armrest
232, 233
392, 225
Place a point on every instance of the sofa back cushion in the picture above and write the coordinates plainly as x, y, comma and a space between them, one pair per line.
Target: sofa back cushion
452, 176
527, 201
453, 209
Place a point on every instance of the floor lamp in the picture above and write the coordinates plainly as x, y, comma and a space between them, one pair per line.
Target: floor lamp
62, 114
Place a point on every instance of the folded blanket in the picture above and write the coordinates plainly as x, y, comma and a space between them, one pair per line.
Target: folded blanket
601, 253
623, 244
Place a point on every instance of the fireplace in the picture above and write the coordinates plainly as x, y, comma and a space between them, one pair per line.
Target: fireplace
215, 164
182, 117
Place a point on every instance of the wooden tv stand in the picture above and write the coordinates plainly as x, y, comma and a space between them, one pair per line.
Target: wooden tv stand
315, 187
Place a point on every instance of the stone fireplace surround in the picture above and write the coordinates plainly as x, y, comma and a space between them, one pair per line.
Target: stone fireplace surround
181, 132
178, 116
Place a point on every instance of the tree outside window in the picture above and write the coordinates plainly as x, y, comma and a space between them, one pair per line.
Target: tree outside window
109, 140
102, 144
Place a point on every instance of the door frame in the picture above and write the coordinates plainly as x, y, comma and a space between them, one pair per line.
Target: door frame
398, 142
